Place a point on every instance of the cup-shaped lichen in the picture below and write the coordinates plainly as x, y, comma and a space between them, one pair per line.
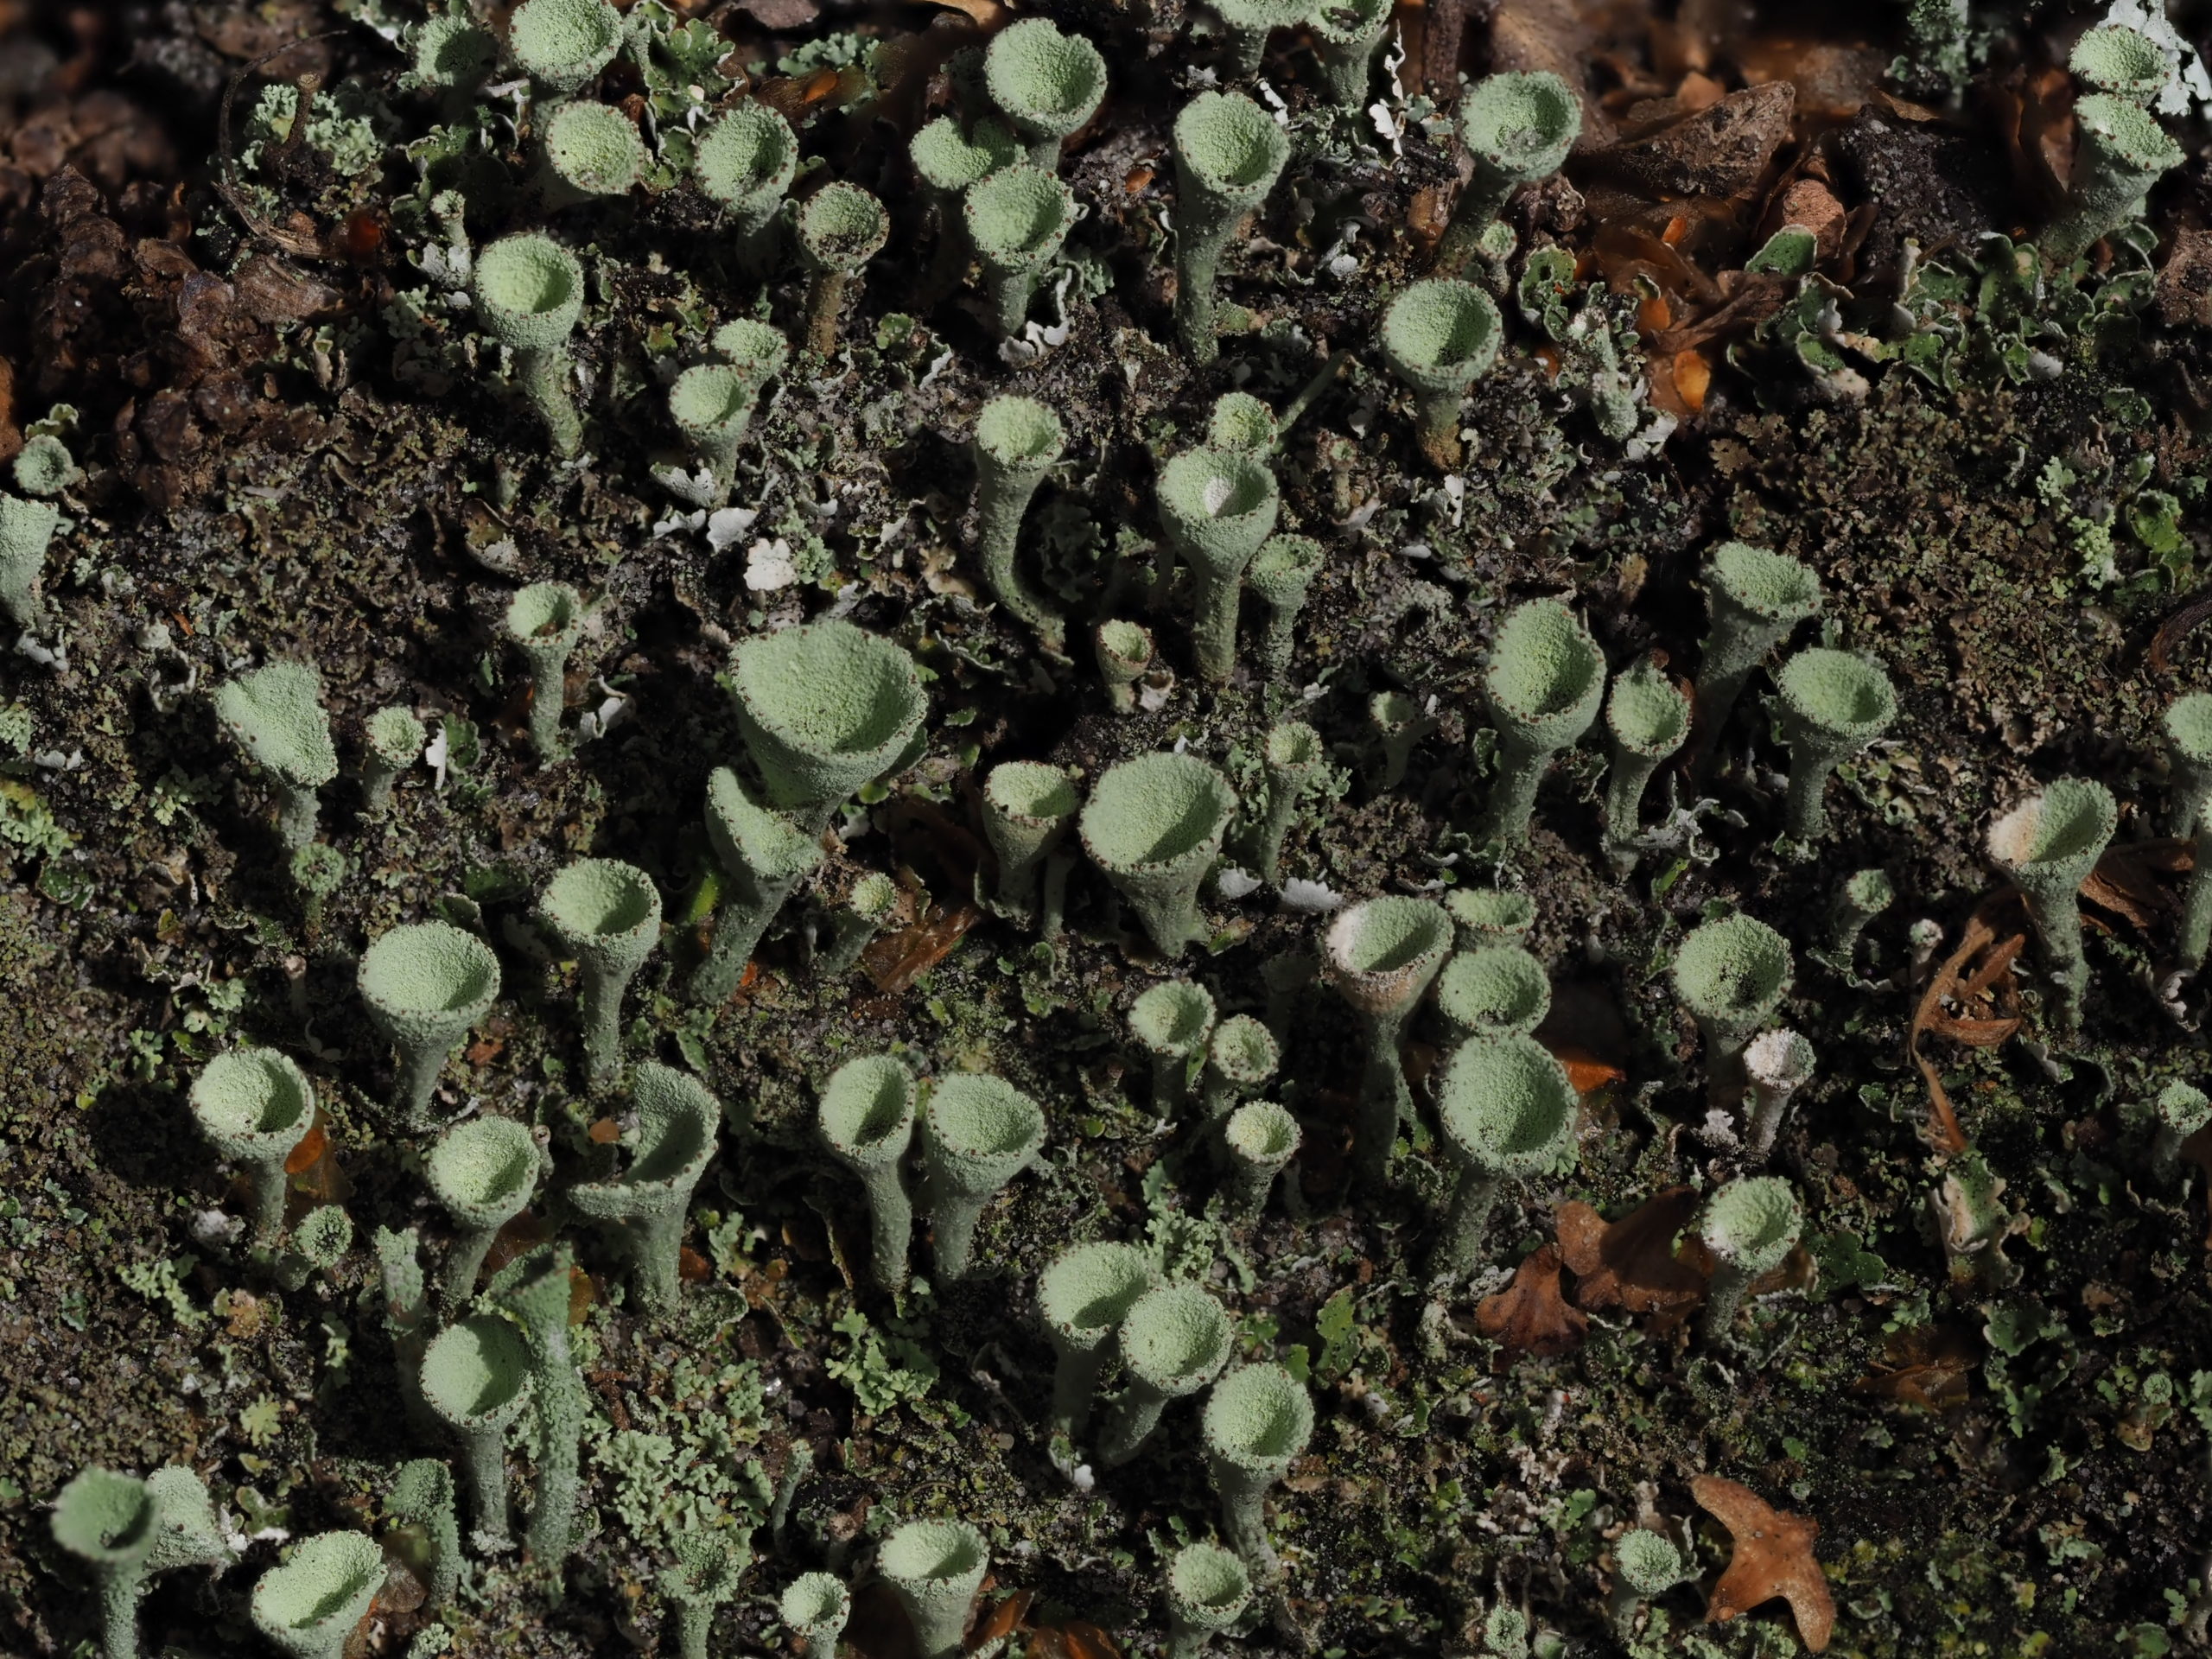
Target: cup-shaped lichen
1208, 1590
1508, 1111
1750, 1225
1229, 153
840, 227
2188, 724
1259, 1139
1732, 974
1017, 441
1256, 1424
1755, 598
756, 350
562, 44
392, 741
1082, 1298
1345, 36
308, 1604
2123, 61
1049, 84
1492, 990
1240, 421
947, 160
648, 1204
1028, 808
1245, 26
866, 1119
1017, 219
482, 1171
1172, 1021
1482, 916
1518, 127
746, 160
1833, 704
1123, 651
825, 707
1646, 719
1777, 1064
1861, 896
543, 622
1398, 723
1240, 1056
1541, 686
425, 984
254, 1106
530, 292
2121, 152
1645, 1564
815, 1606
2047, 844
935, 1568
594, 149
1381, 956
476, 1379
978, 1133
1173, 1341
276, 715
126, 1530
1292, 759
1439, 337
873, 902
712, 405
1154, 825
540, 1302
26, 531
763, 856
1282, 573
1218, 505
606, 915
708, 1570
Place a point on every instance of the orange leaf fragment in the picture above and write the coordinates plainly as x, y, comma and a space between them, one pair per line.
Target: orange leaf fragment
484, 1050
1773, 1557
581, 1294
1530, 1315
1630, 1263
693, 1268
1585, 1070
1693, 375
604, 1133
1002, 1621
308, 1152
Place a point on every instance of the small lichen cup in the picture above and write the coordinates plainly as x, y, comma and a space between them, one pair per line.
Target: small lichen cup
1439, 337
1750, 1225
593, 150
1048, 83
1172, 1021
647, 1206
607, 914
1154, 825
1518, 127
277, 716
815, 1606
476, 1380
1217, 506
935, 1568
1731, 974
2047, 844
1755, 598
865, 1118
1017, 441
1173, 1341
824, 707
1493, 989
1831, 704
978, 1133
1541, 688
1017, 219
529, 294
840, 227
424, 984
1229, 153
1256, 1424
562, 44
1082, 1299
746, 160
308, 1604
543, 622
1508, 1111
1647, 719
1382, 955
1208, 1590
1028, 809
1122, 651
255, 1105
1282, 574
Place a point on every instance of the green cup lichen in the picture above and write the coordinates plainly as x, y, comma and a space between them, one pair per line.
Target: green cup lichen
1750, 1225
1777, 1064
1282, 573
1508, 1111
1861, 896
254, 1105
127, 1530
1173, 1340
1172, 1021
1482, 916
539, 1291
1347, 33
872, 904
712, 405
392, 741
562, 44
530, 293
1260, 1139
1493, 989
606, 915
756, 350
2120, 153
482, 1171
308, 1604
1293, 760
1256, 1424
2047, 845
1645, 1564
1154, 825
1017, 440
454, 52
824, 707
1028, 808
593, 149
1755, 598
1047, 83
1732, 974
1123, 652
746, 160
1017, 219
26, 531
1241, 1054
762, 856
1208, 1590
1240, 421
1439, 337
935, 1568
276, 715
1399, 723
1542, 686
1381, 955
2122, 61
647, 1206
1646, 719
866, 1119
1831, 704
2181, 1109
2188, 723
1217, 508
422, 1499
814, 1607
1082, 1299
1229, 153
978, 1133
424, 984
709, 1571
1518, 126
1245, 26
947, 160
840, 227
543, 622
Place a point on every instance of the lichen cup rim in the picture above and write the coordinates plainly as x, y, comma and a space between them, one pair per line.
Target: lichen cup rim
467, 974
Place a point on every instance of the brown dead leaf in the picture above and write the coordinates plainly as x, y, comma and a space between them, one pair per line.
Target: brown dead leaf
984, 14
2125, 881
1995, 935
896, 961
1721, 150
1924, 1365
1011, 1614
1773, 1557
1630, 1263
1530, 1315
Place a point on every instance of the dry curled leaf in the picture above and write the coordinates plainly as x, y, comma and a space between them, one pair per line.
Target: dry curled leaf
2125, 881
1923, 1365
1530, 1315
1630, 1263
1773, 1557
1976, 977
